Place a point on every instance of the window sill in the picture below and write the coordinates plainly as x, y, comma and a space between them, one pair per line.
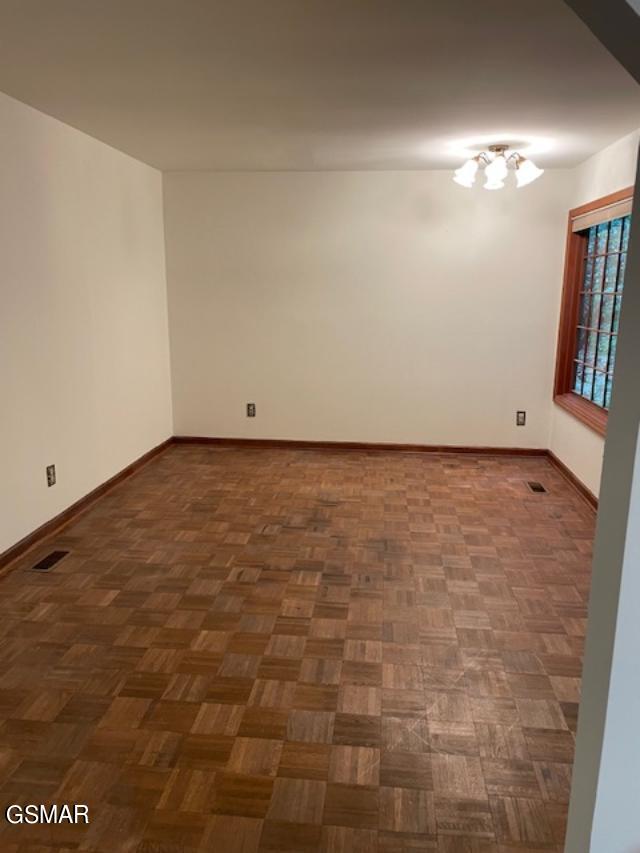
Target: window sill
588, 413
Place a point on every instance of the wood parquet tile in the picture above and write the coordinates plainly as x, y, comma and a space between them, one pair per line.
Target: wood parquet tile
278, 650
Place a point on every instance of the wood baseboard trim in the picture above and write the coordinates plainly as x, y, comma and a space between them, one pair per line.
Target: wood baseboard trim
293, 444
571, 478
55, 524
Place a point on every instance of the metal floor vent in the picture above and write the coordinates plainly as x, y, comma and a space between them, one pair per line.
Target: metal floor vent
48, 562
536, 487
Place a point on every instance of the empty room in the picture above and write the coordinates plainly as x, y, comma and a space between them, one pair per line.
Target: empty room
319, 416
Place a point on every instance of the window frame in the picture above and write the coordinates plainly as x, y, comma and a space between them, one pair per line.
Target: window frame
564, 396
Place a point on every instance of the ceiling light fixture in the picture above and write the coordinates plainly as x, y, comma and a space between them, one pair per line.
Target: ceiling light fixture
496, 163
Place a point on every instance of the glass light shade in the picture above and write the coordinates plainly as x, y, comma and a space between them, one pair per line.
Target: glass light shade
495, 173
464, 180
466, 174
526, 172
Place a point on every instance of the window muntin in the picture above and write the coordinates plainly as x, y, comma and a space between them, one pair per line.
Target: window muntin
602, 282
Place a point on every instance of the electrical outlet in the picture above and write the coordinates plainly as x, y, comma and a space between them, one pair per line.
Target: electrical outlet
51, 475
521, 418
251, 410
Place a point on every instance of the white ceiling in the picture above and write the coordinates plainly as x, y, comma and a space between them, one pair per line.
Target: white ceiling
317, 84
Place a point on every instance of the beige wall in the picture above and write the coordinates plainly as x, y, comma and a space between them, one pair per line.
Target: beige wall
614, 168
84, 360
363, 306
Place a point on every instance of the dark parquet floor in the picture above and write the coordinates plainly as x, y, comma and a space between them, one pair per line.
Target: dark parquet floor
279, 650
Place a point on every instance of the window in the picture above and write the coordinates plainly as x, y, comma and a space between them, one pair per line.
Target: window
595, 263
